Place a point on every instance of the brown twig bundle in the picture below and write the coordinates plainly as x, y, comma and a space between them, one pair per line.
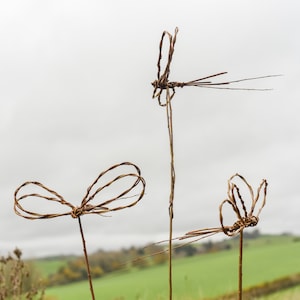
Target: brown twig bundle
86, 207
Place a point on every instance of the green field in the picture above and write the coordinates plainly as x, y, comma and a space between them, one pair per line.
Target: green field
207, 275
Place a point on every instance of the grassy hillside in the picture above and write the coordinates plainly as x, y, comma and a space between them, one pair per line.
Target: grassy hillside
207, 275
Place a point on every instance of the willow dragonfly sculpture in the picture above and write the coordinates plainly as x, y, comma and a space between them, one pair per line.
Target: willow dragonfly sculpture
130, 187
245, 218
162, 82
164, 91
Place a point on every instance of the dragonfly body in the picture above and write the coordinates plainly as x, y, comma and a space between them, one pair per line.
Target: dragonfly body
228, 230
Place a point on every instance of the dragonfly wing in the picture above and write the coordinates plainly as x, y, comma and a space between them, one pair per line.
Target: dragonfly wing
164, 61
201, 233
259, 199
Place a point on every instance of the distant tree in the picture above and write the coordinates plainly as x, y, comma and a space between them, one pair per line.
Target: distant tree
71, 275
116, 265
227, 246
152, 249
77, 268
108, 261
186, 250
140, 262
252, 234
160, 258
208, 246
97, 271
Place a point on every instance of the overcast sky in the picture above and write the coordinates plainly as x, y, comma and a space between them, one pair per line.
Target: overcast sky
76, 98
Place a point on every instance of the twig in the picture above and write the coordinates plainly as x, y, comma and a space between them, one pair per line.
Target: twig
172, 189
240, 292
86, 260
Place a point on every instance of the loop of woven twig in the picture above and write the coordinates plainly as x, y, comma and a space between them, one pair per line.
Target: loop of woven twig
245, 218
85, 207
162, 82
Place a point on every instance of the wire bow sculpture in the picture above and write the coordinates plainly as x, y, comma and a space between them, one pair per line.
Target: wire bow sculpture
86, 207
245, 218
162, 82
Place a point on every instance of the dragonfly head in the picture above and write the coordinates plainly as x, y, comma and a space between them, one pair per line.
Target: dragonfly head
155, 84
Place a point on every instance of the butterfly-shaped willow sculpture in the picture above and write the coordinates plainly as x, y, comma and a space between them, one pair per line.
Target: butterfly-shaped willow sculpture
162, 82
130, 186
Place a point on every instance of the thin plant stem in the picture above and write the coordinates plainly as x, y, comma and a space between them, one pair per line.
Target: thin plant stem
86, 259
172, 188
241, 266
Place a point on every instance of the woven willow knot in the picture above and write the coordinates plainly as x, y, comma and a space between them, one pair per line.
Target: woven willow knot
251, 221
76, 212
243, 223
